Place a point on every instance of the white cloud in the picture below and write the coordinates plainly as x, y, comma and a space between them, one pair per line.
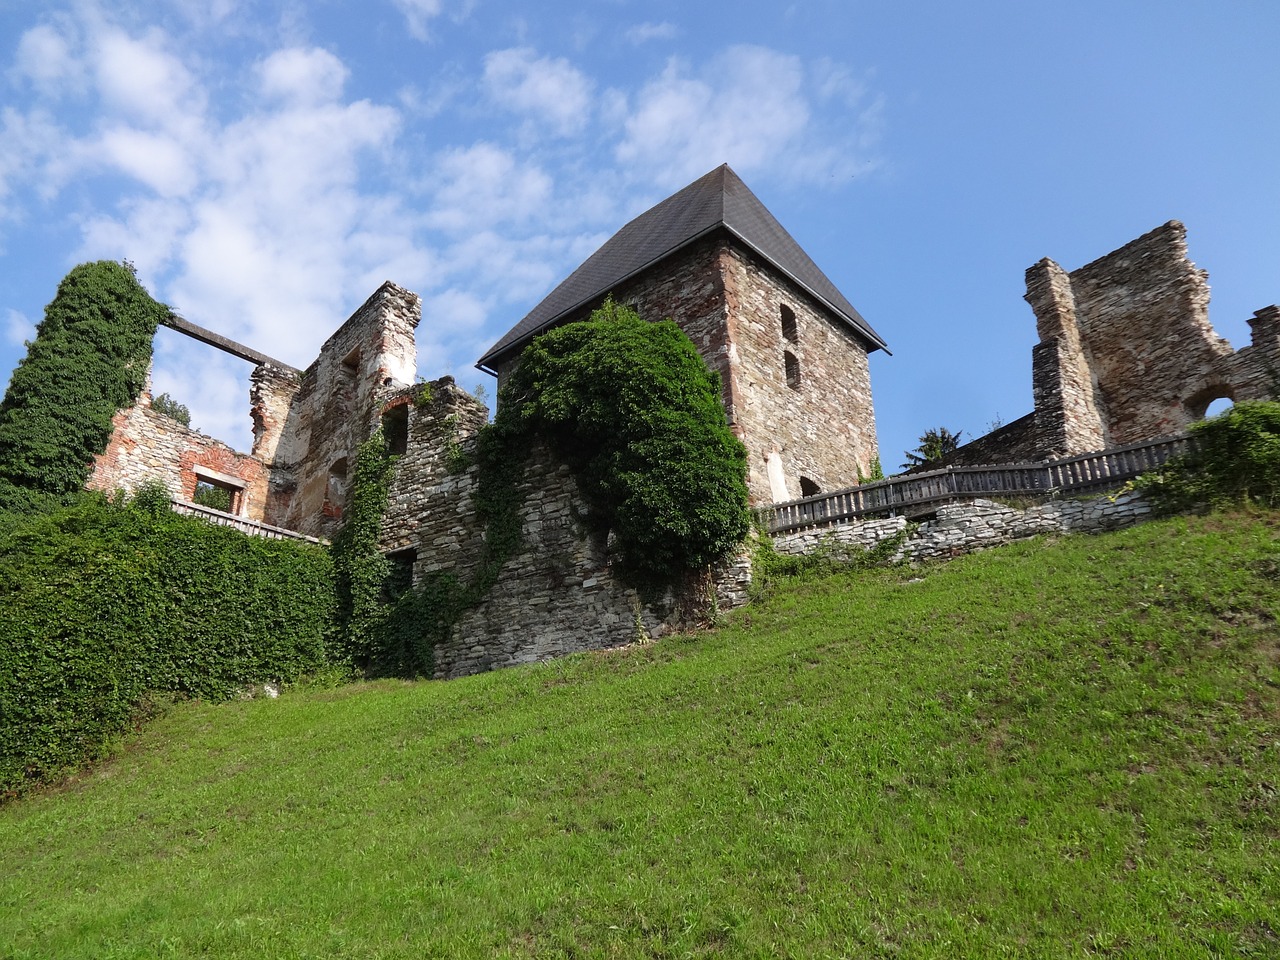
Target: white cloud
154, 159
551, 92
419, 13
17, 328
746, 105
303, 75
644, 32
46, 59
749, 106
482, 185
143, 80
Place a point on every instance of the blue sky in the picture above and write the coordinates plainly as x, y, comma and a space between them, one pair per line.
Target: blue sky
266, 166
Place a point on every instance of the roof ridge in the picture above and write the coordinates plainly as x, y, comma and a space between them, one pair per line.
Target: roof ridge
719, 198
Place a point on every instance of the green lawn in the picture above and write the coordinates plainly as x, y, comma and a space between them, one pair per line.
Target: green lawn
1067, 749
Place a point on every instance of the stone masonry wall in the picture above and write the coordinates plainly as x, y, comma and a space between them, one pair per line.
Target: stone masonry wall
559, 594
148, 446
821, 424
334, 408
1127, 352
962, 528
729, 304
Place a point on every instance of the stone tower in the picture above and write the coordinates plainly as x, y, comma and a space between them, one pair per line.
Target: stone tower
791, 351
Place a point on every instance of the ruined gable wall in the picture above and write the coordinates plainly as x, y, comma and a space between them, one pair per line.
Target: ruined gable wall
824, 428
336, 406
148, 446
1143, 314
558, 595
1127, 352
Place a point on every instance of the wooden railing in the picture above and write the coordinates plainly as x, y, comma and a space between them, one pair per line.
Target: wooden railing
1087, 473
252, 527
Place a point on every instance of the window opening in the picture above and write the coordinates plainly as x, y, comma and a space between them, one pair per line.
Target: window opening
1209, 402
808, 488
1221, 405
335, 490
399, 574
793, 370
351, 364
218, 491
790, 332
395, 429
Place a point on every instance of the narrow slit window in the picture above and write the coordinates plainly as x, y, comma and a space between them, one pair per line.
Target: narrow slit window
793, 370
790, 332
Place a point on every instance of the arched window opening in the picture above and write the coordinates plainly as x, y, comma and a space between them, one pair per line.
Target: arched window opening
335, 490
790, 332
808, 488
1209, 402
395, 429
793, 370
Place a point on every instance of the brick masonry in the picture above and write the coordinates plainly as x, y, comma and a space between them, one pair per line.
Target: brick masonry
148, 446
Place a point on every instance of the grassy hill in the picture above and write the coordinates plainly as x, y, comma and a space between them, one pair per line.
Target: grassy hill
1069, 749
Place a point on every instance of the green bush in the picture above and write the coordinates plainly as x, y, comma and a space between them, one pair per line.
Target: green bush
172, 409
1235, 457
634, 411
105, 606
89, 359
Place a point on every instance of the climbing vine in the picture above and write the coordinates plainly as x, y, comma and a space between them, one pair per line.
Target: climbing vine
89, 359
634, 411
636, 414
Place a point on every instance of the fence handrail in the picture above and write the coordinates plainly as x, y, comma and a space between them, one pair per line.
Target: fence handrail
254, 528
1077, 473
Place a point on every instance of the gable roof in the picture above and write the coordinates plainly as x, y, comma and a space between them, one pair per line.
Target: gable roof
717, 200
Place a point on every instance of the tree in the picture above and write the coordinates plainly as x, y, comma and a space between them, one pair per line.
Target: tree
89, 359
935, 443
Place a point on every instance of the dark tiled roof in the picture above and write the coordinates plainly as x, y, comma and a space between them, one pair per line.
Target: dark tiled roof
718, 200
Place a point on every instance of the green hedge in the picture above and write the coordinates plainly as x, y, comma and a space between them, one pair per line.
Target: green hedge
102, 607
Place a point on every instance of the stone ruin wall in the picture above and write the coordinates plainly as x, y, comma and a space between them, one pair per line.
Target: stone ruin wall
1126, 354
307, 430
558, 594
147, 446
962, 528
728, 303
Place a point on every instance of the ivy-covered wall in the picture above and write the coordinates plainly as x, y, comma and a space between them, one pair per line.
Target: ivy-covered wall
560, 592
